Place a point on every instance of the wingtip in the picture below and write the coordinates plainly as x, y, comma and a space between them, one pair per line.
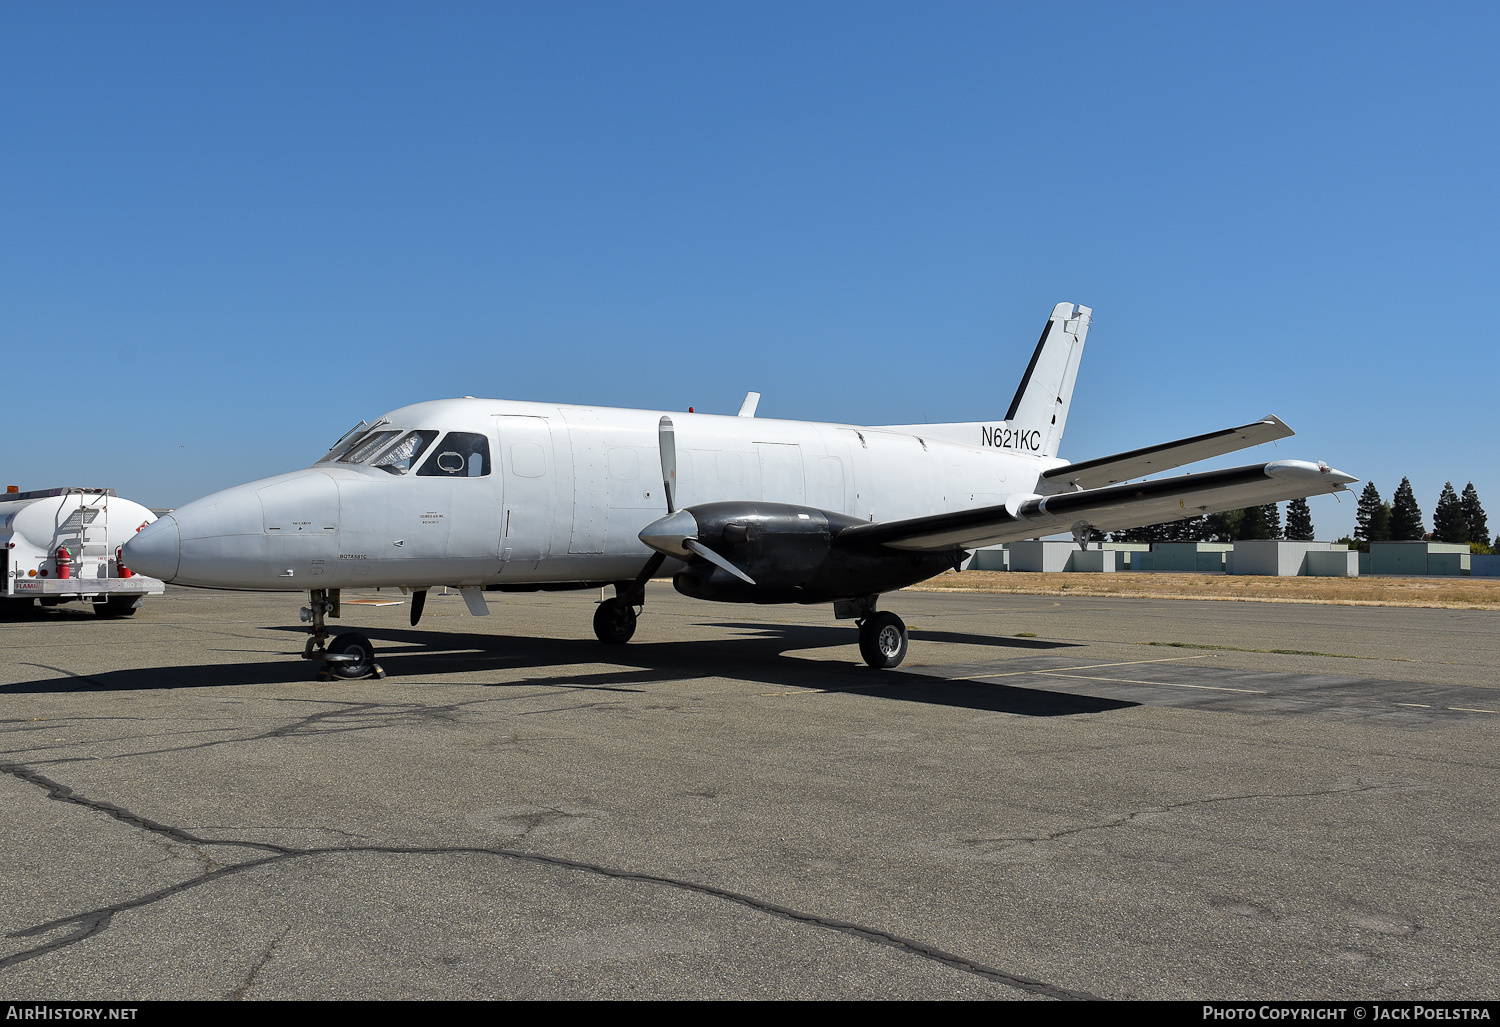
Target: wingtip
1286, 429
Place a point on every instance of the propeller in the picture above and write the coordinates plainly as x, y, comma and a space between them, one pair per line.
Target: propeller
677, 533
418, 600
666, 444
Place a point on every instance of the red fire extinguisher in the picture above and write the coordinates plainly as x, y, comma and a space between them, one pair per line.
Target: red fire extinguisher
125, 572
64, 562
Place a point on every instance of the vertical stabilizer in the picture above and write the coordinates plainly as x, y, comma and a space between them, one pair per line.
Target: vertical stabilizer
1034, 423
1039, 411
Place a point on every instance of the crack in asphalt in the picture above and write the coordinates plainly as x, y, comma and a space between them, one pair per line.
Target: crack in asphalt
238, 994
91, 922
1171, 807
376, 714
63, 670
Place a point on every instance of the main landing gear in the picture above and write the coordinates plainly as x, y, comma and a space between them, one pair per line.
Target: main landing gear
882, 635
882, 640
350, 655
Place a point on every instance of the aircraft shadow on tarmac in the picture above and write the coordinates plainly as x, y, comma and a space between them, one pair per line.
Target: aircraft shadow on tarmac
757, 655
822, 634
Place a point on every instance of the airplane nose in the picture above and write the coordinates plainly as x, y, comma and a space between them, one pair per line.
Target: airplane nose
156, 549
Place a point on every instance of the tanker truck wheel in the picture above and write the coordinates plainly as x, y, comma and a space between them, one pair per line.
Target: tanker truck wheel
15, 609
118, 606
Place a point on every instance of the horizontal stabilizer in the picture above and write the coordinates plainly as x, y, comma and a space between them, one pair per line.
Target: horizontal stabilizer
1137, 463
1111, 508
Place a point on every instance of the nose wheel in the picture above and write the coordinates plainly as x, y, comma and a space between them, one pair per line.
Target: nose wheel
350, 656
882, 640
614, 621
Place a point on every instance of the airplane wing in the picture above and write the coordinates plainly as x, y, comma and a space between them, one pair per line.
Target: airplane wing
1111, 508
1108, 470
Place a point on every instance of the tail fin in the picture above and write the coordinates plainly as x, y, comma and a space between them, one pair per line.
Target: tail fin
1040, 407
1034, 424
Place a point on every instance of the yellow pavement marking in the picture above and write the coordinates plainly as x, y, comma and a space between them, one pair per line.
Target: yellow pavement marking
1471, 709
1092, 666
1165, 684
1423, 705
1012, 674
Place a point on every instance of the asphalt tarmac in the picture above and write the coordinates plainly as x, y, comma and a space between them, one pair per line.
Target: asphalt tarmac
1052, 798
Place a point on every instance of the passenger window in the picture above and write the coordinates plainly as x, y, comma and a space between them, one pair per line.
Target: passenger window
461, 454
399, 458
367, 446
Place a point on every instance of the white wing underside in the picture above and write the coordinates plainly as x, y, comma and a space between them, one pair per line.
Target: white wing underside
1110, 508
1137, 463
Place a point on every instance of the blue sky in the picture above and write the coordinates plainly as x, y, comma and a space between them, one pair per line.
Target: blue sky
229, 231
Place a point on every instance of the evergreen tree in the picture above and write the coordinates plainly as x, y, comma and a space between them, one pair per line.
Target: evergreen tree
1406, 515
1448, 522
1479, 525
1273, 519
1299, 525
1223, 527
1199, 530
1372, 521
1253, 524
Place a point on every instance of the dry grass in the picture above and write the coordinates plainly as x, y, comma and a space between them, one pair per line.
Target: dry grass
1445, 593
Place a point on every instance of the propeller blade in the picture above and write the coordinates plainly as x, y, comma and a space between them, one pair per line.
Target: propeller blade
717, 560
666, 441
418, 600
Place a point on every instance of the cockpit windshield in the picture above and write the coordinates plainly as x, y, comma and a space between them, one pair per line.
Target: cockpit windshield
399, 458
462, 454
367, 446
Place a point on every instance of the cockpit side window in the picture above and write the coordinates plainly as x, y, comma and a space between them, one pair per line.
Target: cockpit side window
399, 458
461, 454
367, 446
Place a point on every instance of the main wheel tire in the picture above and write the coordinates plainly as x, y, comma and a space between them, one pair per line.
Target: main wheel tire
352, 643
123, 606
614, 621
882, 640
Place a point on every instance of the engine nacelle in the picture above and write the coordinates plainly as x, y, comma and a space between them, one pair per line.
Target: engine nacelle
792, 553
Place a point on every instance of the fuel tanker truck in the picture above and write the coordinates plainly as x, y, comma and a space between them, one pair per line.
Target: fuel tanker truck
62, 545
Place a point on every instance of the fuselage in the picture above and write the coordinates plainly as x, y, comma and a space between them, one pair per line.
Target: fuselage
484, 492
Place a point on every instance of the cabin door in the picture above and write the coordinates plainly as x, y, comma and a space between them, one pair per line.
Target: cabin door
527, 471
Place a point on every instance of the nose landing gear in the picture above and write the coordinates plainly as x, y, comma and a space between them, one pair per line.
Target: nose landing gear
614, 621
350, 656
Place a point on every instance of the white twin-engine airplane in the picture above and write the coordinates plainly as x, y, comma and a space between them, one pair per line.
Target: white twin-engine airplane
506, 496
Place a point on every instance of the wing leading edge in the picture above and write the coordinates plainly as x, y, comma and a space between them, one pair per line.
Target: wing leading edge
1110, 508
1136, 463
